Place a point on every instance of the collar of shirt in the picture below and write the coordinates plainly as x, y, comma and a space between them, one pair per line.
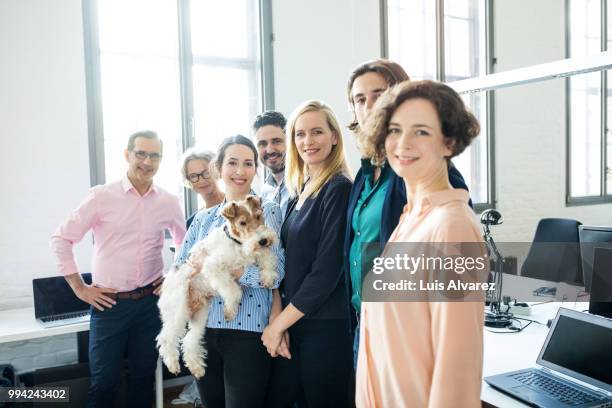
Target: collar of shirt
215, 212
439, 198
127, 185
368, 168
271, 180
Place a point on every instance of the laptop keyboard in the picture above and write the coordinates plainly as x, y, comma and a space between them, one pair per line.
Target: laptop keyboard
558, 390
64, 316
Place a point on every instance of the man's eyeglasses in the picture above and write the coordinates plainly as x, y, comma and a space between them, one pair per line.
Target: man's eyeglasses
142, 155
195, 177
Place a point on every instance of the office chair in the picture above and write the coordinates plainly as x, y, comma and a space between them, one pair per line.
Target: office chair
554, 254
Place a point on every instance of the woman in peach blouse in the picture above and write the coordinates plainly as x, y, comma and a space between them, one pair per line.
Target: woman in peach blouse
422, 354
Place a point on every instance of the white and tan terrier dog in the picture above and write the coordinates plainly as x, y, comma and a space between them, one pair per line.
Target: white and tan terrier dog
214, 267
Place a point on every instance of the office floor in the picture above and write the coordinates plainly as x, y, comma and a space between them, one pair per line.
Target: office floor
172, 393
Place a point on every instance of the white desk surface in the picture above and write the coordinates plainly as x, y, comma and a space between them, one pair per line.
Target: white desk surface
509, 352
502, 352
20, 324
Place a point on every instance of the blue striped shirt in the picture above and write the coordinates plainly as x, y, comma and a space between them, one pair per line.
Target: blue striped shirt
256, 300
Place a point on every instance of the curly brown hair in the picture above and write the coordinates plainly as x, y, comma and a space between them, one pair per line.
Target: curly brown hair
459, 126
392, 72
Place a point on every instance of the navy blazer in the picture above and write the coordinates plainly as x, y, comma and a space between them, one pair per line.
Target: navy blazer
395, 200
315, 284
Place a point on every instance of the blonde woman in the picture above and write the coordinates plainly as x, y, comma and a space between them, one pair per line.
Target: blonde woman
422, 354
314, 292
200, 177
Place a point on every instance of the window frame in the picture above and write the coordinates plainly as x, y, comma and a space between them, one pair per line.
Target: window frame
440, 75
605, 196
93, 82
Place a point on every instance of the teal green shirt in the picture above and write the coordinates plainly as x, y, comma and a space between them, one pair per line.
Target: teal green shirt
366, 227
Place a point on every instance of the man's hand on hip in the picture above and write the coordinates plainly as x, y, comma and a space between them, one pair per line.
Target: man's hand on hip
96, 297
158, 286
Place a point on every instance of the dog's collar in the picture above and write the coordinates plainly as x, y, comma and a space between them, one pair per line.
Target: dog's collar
229, 236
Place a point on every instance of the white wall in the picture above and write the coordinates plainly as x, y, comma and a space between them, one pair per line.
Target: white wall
43, 137
44, 171
317, 45
530, 123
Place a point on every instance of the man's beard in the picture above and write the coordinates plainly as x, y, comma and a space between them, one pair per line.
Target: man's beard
279, 168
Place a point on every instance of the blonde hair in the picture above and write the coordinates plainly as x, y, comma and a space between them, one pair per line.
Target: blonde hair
296, 172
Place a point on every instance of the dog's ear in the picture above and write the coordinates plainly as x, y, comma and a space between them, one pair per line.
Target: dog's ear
230, 211
254, 202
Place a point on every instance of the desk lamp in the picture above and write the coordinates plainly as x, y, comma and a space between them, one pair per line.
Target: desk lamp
494, 317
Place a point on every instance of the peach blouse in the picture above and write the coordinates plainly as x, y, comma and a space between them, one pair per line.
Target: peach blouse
424, 354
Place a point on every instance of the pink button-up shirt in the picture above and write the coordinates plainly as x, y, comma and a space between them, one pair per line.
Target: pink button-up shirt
128, 234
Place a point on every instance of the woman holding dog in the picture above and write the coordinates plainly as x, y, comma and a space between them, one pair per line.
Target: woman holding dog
314, 293
422, 354
197, 176
237, 364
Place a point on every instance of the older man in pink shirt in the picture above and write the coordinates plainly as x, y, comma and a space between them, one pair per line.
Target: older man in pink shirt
128, 219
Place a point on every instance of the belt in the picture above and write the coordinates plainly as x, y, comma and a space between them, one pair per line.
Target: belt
135, 294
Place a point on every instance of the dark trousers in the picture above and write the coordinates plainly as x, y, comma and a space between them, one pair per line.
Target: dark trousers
127, 329
237, 369
320, 372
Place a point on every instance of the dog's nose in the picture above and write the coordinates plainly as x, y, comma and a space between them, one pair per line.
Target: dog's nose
263, 242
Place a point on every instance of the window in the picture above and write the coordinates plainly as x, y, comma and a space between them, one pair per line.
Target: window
589, 158
413, 40
227, 92
159, 65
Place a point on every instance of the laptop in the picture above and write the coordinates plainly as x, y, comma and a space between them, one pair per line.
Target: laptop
574, 366
55, 304
601, 286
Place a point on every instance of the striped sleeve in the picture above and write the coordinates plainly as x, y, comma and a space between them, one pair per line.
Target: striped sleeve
198, 229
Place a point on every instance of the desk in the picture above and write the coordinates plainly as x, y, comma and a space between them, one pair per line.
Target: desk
19, 324
509, 352
502, 352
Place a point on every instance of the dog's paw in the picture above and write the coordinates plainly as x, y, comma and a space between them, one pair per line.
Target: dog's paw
230, 313
169, 355
197, 370
174, 367
195, 365
268, 281
172, 364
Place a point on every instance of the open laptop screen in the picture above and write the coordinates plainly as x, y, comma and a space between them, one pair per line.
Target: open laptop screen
53, 296
580, 345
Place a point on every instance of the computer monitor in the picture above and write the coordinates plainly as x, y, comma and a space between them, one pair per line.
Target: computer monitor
600, 302
591, 238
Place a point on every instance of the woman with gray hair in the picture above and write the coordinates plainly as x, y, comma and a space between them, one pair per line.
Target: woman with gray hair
200, 177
